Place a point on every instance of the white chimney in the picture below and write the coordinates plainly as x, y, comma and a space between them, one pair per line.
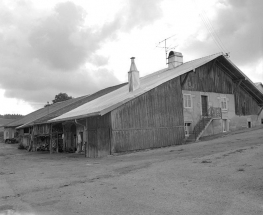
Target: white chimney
133, 77
174, 59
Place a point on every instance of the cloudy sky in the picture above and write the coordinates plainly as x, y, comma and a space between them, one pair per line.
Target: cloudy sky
81, 46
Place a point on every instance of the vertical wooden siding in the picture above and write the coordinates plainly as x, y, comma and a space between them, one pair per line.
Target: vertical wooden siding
98, 136
219, 81
245, 104
216, 80
154, 119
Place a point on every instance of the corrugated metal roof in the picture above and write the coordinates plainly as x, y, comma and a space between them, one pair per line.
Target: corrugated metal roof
106, 103
66, 106
42, 112
4, 121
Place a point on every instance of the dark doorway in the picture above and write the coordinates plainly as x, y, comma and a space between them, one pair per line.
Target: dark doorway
249, 124
204, 102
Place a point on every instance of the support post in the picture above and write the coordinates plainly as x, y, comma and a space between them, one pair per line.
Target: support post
33, 139
259, 112
184, 80
87, 140
238, 84
50, 141
64, 145
57, 142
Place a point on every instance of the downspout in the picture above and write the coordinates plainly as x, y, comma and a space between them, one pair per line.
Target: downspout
79, 123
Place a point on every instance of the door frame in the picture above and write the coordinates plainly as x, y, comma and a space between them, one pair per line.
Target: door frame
201, 106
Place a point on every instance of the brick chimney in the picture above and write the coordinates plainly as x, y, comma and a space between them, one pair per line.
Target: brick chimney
174, 59
133, 77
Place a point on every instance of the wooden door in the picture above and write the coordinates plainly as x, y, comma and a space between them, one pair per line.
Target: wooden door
92, 149
204, 102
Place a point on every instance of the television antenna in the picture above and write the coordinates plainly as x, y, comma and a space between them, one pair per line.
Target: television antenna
165, 46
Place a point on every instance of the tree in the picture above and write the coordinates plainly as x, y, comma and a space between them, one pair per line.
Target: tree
61, 97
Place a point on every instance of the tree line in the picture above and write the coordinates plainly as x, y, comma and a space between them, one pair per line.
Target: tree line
11, 116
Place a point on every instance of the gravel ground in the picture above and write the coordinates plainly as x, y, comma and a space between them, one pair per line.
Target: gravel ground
217, 176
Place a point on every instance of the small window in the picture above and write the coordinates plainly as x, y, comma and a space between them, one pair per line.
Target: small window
224, 103
187, 128
187, 101
26, 130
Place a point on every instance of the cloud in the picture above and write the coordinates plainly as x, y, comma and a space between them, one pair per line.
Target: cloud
142, 12
47, 52
59, 39
238, 24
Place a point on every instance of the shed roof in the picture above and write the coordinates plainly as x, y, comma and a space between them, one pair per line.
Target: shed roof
42, 112
4, 121
111, 101
66, 106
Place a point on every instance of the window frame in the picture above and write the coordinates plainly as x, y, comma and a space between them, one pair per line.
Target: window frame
186, 101
223, 100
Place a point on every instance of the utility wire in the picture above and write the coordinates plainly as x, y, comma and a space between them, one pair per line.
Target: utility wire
215, 32
211, 30
211, 33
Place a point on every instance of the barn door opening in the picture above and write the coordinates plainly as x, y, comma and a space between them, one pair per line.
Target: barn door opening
204, 102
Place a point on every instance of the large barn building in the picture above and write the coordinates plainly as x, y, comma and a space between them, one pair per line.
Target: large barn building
185, 100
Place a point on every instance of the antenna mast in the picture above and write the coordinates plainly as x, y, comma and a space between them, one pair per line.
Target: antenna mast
165, 47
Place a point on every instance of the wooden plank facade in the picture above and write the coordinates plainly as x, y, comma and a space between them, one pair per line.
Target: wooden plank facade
98, 136
212, 77
154, 119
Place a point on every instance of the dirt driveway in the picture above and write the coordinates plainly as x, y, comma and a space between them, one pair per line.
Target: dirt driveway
220, 176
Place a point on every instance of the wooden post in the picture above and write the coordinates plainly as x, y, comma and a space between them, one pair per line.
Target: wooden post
87, 142
57, 142
50, 141
33, 138
64, 146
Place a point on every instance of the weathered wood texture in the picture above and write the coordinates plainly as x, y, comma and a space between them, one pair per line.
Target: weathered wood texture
205, 79
217, 80
154, 119
244, 103
69, 136
42, 129
98, 128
